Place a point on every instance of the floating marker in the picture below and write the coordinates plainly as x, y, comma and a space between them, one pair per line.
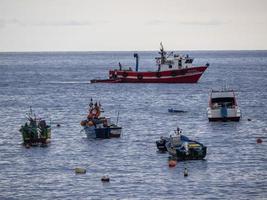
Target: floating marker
172, 163
79, 170
105, 179
259, 140
185, 172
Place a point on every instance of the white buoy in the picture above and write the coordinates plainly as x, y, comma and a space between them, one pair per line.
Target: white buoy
185, 172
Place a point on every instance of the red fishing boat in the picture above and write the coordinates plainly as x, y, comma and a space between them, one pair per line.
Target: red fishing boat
171, 68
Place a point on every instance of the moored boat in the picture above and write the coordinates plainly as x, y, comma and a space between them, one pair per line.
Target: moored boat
181, 147
35, 132
171, 68
223, 106
99, 127
171, 110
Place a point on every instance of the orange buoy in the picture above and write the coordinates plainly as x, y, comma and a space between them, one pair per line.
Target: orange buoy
90, 123
172, 163
259, 141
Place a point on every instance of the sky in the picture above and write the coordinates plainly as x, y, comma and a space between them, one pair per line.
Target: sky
118, 25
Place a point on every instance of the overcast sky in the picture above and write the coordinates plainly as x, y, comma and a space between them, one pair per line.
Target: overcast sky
87, 25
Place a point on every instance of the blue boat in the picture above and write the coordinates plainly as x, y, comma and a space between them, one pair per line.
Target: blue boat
181, 147
99, 131
99, 127
171, 110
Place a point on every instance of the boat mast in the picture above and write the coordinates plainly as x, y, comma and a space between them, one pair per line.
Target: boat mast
162, 54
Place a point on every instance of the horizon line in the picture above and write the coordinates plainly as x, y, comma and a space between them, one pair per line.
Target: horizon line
78, 51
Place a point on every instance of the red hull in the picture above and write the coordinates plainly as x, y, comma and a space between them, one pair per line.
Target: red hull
189, 75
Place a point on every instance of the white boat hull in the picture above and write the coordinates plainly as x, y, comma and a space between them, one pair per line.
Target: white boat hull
233, 114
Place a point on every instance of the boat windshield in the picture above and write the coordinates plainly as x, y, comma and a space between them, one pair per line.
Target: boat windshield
223, 101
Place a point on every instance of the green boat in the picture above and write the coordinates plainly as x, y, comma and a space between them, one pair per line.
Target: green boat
35, 132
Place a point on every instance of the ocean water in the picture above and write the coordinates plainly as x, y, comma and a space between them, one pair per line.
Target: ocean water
56, 86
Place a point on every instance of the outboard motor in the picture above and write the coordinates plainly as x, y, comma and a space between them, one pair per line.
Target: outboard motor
224, 111
136, 61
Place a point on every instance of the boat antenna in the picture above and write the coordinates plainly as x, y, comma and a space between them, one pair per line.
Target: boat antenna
118, 117
29, 115
162, 54
171, 53
161, 47
91, 103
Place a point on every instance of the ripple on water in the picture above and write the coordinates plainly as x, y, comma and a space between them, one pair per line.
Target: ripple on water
55, 86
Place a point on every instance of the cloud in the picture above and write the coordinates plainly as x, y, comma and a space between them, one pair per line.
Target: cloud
204, 23
68, 22
63, 23
5, 22
157, 22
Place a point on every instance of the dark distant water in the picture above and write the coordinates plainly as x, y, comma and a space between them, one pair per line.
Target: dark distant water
56, 86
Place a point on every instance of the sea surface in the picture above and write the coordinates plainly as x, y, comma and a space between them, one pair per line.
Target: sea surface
56, 86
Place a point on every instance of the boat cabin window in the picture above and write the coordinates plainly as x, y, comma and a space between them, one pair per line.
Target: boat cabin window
227, 101
189, 61
170, 66
180, 63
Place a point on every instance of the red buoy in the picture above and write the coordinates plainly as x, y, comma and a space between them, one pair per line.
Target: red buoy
172, 163
259, 141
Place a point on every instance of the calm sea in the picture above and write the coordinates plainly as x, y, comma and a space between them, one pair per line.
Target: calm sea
56, 86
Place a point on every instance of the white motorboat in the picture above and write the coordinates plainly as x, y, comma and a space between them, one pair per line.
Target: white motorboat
223, 106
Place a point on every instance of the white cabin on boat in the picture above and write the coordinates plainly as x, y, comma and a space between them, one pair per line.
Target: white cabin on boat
173, 61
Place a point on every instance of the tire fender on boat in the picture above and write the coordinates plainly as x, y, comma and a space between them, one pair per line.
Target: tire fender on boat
173, 73
124, 74
158, 74
140, 76
114, 75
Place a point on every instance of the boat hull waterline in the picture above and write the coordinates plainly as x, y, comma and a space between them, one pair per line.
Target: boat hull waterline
194, 150
189, 75
103, 133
